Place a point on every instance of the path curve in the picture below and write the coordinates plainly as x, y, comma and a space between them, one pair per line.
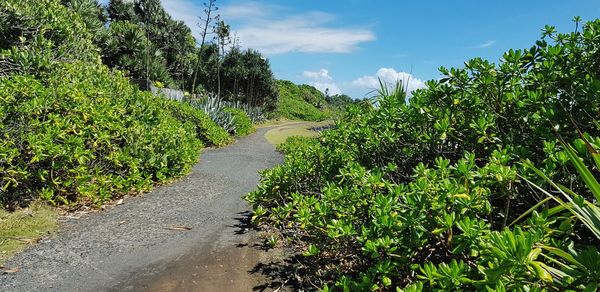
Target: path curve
130, 248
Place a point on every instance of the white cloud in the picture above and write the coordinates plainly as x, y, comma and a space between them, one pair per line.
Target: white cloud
390, 76
274, 30
247, 10
186, 11
484, 45
322, 81
321, 74
333, 88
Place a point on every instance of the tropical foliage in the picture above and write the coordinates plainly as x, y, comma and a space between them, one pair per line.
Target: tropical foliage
146, 42
243, 124
73, 130
431, 193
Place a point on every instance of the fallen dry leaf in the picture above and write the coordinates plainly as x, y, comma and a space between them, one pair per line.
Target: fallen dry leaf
71, 217
27, 240
179, 228
10, 271
120, 201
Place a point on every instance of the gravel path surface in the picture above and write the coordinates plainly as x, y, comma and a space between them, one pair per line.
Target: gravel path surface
128, 246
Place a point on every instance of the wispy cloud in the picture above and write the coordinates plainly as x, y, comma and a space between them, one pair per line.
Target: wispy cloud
484, 45
322, 81
275, 29
186, 11
390, 76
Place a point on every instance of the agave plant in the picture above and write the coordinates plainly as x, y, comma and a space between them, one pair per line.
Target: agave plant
215, 107
255, 114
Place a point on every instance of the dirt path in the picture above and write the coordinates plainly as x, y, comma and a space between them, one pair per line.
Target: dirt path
130, 247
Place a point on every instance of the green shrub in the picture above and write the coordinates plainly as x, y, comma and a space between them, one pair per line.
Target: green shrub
243, 124
293, 143
86, 134
36, 34
208, 131
294, 103
422, 195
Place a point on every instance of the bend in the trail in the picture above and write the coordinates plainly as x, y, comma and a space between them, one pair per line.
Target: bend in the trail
131, 246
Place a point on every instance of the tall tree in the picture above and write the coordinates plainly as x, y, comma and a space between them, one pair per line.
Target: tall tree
122, 10
222, 32
207, 21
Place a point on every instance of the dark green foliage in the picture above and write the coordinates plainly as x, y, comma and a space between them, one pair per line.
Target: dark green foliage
122, 10
246, 76
92, 14
172, 46
243, 124
125, 49
423, 193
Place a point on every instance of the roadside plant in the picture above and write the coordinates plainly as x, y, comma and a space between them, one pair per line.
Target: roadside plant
215, 107
428, 192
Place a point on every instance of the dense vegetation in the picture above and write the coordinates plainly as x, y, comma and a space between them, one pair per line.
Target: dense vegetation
304, 102
441, 192
243, 124
76, 128
73, 130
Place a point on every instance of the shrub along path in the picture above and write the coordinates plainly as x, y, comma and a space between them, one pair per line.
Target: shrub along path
144, 243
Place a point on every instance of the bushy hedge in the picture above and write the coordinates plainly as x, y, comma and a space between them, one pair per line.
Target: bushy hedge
36, 33
243, 124
86, 134
422, 195
73, 131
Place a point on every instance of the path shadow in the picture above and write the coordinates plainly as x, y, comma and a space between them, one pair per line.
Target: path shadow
244, 223
280, 274
279, 269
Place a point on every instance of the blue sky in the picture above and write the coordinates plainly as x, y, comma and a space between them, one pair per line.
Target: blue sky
346, 45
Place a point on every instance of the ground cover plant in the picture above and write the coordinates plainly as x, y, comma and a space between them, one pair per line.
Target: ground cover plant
25, 227
434, 193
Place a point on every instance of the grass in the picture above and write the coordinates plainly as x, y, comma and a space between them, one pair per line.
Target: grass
279, 134
24, 227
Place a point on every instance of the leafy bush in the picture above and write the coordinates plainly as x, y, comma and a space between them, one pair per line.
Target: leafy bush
294, 103
294, 142
207, 130
230, 115
255, 113
422, 195
243, 124
72, 130
35, 34
86, 135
